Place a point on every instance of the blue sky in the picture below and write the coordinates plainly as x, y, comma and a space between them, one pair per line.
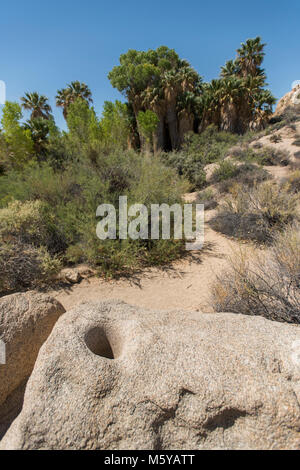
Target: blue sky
46, 44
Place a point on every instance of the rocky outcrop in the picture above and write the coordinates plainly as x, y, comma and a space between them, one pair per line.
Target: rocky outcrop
290, 100
26, 321
113, 376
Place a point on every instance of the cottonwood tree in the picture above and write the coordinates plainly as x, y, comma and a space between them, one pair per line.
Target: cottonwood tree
147, 122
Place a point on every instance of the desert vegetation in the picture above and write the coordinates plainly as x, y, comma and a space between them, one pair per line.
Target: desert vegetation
256, 213
263, 283
153, 146
161, 82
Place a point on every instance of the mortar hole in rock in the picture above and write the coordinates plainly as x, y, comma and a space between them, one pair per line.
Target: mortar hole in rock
97, 342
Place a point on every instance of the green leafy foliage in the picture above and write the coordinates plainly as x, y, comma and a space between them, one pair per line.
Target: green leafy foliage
117, 124
225, 170
238, 98
262, 156
19, 141
56, 210
199, 150
158, 81
147, 121
244, 175
52, 181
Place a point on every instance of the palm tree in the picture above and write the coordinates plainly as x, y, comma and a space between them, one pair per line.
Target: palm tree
39, 129
264, 102
238, 100
229, 99
177, 83
229, 69
73, 91
250, 56
187, 110
210, 104
37, 104
80, 90
63, 100
153, 99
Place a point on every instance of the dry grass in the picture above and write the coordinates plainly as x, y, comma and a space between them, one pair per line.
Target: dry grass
293, 182
24, 266
266, 284
256, 213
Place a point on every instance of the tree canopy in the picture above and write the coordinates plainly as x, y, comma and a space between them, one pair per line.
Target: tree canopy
157, 80
238, 100
165, 98
163, 83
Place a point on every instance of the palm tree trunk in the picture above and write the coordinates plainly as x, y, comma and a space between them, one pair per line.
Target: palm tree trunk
171, 118
159, 137
186, 124
229, 118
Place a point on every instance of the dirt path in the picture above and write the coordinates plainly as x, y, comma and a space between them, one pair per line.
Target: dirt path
184, 285
279, 173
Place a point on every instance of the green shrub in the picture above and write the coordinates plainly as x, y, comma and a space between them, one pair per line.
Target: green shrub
271, 156
257, 145
247, 174
30, 222
289, 116
224, 171
208, 198
187, 166
74, 254
154, 183
210, 145
199, 150
57, 209
36, 182
262, 156
266, 284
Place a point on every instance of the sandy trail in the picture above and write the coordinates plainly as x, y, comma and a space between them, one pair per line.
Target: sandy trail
183, 285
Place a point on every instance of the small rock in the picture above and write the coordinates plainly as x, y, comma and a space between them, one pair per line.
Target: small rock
73, 276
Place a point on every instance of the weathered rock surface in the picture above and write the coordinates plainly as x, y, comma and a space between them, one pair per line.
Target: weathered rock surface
288, 100
72, 276
113, 376
26, 321
76, 275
